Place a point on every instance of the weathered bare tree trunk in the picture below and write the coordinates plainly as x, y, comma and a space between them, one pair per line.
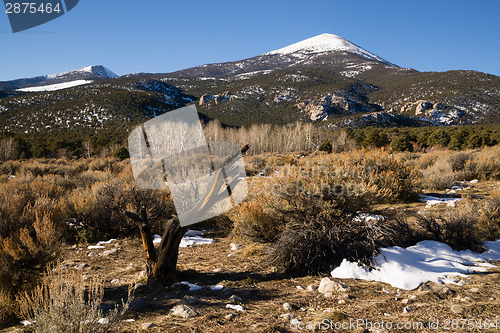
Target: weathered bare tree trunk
161, 261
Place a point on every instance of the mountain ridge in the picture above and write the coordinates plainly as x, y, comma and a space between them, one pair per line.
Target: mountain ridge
326, 80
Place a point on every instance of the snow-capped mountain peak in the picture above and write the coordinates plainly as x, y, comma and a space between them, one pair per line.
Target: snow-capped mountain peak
98, 70
61, 80
325, 43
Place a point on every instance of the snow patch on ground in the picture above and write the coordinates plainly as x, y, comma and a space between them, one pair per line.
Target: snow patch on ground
431, 200
217, 287
106, 242
366, 217
235, 307
191, 238
425, 261
93, 247
192, 286
57, 86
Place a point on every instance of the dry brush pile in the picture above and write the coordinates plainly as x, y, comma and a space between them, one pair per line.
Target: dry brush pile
46, 202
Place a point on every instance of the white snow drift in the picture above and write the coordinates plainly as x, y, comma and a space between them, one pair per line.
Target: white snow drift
425, 261
56, 86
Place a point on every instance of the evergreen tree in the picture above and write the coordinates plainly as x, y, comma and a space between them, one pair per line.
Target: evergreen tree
326, 146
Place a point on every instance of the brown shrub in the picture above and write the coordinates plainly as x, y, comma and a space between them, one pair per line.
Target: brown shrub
457, 227
8, 309
319, 234
256, 221
65, 303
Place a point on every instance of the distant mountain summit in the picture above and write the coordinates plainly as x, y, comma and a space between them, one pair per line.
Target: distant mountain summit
325, 50
60, 80
99, 70
325, 43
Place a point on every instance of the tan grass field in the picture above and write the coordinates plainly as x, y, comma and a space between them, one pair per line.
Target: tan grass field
45, 193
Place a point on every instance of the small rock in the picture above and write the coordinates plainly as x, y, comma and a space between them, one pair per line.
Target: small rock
424, 287
474, 290
457, 309
116, 281
328, 294
447, 291
103, 321
236, 247
344, 296
235, 299
140, 286
137, 305
147, 326
216, 270
108, 252
286, 316
413, 297
465, 299
299, 287
93, 254
311, 287
341, 301
81, 266
189, 300
407, 309
474, 181
406, 301
327, 285
227, 290
230, 316
179, 286
287, 307
184, 311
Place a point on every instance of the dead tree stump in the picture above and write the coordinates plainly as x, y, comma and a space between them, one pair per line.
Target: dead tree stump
162, 261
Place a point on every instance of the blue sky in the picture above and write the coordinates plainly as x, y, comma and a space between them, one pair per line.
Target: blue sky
163, 36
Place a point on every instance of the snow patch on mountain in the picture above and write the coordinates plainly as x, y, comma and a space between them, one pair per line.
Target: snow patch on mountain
324, 43
57, 86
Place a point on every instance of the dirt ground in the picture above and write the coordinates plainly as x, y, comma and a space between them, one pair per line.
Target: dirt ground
263, 292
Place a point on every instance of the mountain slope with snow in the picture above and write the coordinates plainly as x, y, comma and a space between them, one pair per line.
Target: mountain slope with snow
90, 73
326, 51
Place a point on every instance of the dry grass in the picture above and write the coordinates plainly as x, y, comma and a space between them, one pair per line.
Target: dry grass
442, 168
65, 303
37, 204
